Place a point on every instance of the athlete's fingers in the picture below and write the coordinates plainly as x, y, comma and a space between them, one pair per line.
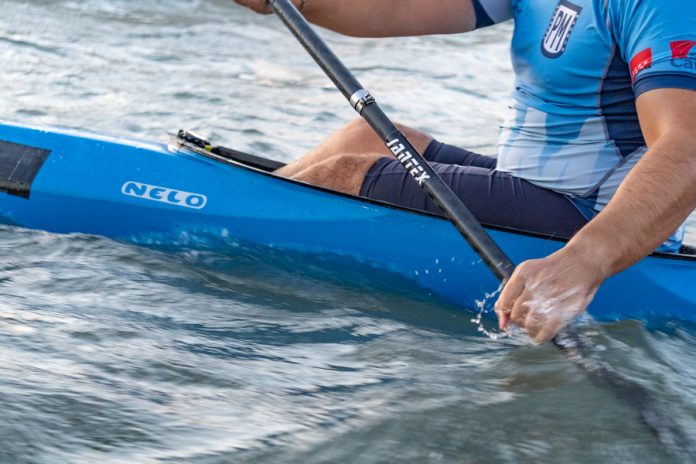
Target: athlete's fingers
503, 318
520, 310
506, 301
548, 331
536, 322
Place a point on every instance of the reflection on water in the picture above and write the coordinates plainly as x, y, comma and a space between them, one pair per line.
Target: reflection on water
117, 353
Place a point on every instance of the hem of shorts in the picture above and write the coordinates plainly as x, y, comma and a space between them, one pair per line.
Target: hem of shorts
371, 174
432, 149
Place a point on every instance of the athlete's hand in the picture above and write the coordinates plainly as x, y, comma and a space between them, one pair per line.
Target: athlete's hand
544, 294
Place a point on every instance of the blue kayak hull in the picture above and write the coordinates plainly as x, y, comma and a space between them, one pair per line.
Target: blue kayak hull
153, 193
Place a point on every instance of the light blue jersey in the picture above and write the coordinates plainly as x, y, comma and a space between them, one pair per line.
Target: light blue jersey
579, 65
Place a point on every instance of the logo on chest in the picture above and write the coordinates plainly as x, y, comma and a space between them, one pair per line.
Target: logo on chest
560, 28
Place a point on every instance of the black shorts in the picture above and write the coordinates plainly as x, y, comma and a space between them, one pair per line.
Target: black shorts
495, 198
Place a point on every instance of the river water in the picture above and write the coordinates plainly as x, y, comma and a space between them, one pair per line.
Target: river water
115, 353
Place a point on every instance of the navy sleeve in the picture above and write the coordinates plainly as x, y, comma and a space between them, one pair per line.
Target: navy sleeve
489, 12
658, 41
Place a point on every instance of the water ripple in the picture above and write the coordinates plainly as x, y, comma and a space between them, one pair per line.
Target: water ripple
116, 353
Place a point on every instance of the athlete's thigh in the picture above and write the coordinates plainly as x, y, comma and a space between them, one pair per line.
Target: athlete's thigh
438, 152
495, 198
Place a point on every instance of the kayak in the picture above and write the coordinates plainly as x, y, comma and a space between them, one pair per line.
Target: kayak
69, 181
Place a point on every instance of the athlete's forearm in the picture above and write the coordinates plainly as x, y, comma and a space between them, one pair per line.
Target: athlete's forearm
392, 18
652, 202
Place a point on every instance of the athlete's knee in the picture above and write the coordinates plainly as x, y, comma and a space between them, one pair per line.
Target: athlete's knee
344, 173
419, 139
360, 130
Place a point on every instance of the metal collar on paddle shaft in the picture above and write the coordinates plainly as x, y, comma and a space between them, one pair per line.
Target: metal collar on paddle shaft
413, 162
577, 348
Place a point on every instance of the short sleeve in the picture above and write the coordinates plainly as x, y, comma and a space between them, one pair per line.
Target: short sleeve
489, 12
658, 41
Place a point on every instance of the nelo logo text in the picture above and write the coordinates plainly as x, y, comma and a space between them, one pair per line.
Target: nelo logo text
164, 195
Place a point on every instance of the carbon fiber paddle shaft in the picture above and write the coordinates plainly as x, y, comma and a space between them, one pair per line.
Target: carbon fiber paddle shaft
403, 150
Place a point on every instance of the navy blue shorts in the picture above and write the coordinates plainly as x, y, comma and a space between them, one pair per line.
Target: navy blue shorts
495, 198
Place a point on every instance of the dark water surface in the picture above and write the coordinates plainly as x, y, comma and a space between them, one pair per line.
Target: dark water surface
111, 352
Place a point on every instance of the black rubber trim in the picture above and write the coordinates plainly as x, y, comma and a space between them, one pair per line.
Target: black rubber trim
245, 158
687, 250
19, 165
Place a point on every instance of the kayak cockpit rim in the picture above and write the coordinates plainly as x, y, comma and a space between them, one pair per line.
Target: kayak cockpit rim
266, 167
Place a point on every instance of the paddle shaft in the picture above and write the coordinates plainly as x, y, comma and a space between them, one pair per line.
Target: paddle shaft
453, 208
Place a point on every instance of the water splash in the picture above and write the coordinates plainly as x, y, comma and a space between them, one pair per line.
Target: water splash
484, 309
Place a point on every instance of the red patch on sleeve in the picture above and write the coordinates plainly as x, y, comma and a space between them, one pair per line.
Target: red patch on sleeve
682, 48
641, 61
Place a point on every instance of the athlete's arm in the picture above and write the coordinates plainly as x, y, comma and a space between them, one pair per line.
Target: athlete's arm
653, 200
391, 18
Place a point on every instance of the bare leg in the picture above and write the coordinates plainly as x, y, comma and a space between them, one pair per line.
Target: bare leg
356, 138
343, 173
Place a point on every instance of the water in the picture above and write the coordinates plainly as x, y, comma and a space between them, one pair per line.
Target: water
115, 353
